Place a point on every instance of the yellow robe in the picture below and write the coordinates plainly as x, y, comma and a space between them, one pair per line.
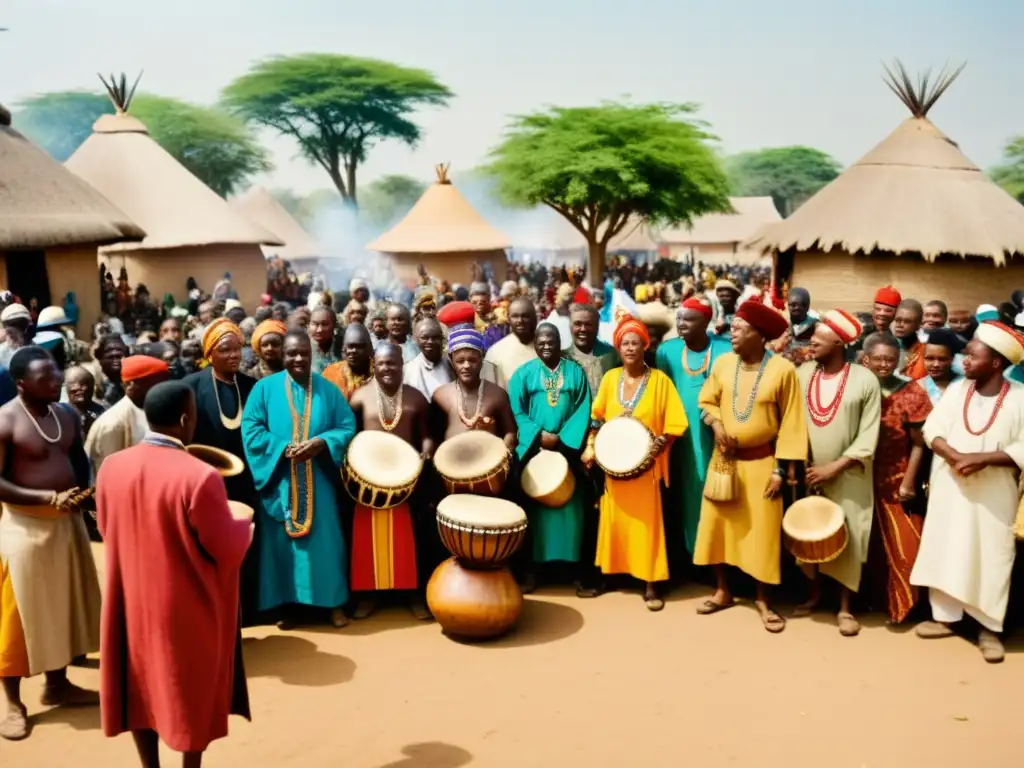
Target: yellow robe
747, 532
631, 532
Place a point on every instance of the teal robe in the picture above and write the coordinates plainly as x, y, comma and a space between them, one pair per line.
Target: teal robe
311, 570
691, 454
557, 533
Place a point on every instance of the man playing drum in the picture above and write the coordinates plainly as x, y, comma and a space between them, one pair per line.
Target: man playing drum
752, 401
843, 405
383, 540
551, 402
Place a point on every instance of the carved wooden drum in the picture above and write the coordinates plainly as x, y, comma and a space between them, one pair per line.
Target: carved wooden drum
624, 448
548, 480
482, 532
814, 530
380, 470
473, 462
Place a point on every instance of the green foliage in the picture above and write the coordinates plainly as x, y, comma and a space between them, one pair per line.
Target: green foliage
336, 107
597, 166
213, 145
789, 175
1010, 173
387, 199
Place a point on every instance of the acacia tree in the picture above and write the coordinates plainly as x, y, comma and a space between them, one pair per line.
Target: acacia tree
598, 166
1010, 173
213, 145
789, 175
336, 107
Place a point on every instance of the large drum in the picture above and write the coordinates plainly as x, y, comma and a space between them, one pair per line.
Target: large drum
482, 532
814, 530
624, 448
473, 462
380, 470
548, 480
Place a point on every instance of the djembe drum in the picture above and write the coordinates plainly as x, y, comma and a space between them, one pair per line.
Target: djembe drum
380, 470
624, 448
814, 530
548, 480
473, 594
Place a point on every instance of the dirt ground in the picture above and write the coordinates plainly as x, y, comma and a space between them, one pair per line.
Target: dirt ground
598, 683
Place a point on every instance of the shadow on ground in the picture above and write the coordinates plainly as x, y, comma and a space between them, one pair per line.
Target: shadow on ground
541, 622
431, 754
295, 661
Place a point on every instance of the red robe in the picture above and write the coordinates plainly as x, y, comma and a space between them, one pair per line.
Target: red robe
170, 642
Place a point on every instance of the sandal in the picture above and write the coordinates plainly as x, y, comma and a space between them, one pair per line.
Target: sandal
14, 727
771, 620
587, 592
338, 618
364, 609
991, 646
710, 606
654, 604
848, 625
933, 630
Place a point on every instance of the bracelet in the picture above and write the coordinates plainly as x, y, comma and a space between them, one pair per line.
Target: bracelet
778, 473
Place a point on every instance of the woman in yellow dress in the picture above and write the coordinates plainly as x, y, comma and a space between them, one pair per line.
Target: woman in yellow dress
631, 532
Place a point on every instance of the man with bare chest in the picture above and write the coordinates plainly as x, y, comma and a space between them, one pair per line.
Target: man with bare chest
384, 541
49, 592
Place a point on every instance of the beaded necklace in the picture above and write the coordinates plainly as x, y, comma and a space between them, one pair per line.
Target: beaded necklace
393, 402
822, 415
300, 522
1003, 390
471, 423
51, 412
705, 364
744, 417
552, 381
629, 405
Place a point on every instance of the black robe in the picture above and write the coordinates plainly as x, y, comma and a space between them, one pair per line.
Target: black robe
210, 431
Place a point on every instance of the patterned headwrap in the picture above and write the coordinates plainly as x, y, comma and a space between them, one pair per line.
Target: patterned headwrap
267, 326
629, 324
218, 330
465, 337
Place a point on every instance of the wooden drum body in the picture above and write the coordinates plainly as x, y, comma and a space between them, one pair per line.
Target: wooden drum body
480, 531
624, 448
548, 480
814, 530
473, 462
473, 604
380, 470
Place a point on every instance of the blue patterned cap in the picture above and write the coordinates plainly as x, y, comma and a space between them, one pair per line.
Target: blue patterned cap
465, 337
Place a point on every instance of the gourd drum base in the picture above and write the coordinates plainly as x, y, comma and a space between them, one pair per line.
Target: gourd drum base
474, 604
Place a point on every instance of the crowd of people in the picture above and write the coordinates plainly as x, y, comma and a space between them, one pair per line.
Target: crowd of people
910, 420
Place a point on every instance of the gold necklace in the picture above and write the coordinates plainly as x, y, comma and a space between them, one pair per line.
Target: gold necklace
553, 381
235, 421
394, 402
704, 363
470, 423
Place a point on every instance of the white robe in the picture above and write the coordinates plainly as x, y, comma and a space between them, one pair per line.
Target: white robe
121, 426
506, 356
426, 376
968, 546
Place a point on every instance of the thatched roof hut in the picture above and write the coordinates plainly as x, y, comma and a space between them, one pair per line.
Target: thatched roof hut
50, 224
261, 208
191, 230
718, 238
913, 212
445, 234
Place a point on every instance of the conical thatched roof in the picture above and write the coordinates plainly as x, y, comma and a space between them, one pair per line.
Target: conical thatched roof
43, 205
914, 192
442, 221
260, 207
123, 162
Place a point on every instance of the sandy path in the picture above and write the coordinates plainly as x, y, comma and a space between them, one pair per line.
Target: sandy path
593, 683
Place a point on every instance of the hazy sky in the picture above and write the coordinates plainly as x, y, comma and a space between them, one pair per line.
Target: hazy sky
765, 73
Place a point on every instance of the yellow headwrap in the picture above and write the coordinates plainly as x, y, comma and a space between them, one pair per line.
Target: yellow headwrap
217, 330
267, 326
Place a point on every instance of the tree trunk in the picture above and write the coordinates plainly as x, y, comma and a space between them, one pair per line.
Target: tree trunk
350, 172
596, 263
339, 183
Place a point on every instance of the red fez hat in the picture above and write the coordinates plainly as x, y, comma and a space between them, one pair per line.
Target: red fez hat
843, 324
456, 313
764, 319
582, 296
888, 296
700, 305
141, 366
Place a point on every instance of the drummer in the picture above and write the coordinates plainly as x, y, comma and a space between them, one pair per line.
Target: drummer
631, 536
550, 399
843, 404
469, 402
384, 551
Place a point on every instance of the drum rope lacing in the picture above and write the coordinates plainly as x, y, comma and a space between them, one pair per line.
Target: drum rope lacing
1003, 391
821, 414
629, 405
461, 398
394, 403
235, 421
744, 417
553, 381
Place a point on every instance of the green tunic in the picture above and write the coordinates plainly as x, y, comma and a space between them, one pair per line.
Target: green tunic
557, 533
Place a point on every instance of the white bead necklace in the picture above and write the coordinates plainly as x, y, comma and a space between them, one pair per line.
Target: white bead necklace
39, 429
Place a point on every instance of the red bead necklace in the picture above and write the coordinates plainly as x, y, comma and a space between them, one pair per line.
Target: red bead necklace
821, 414
1003, 390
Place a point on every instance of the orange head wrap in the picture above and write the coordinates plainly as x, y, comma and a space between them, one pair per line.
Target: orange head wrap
267, 326
141, 367
629, 324
218, 330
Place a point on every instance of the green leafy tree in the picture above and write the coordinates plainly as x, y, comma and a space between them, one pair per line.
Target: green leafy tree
214, 145
789, 175
387, 199
336, 107
1010, 173
598, 166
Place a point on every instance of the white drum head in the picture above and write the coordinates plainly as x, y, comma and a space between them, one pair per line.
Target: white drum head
481, 511
622, 444
470, 455
544, 473
384, 459
813, 518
